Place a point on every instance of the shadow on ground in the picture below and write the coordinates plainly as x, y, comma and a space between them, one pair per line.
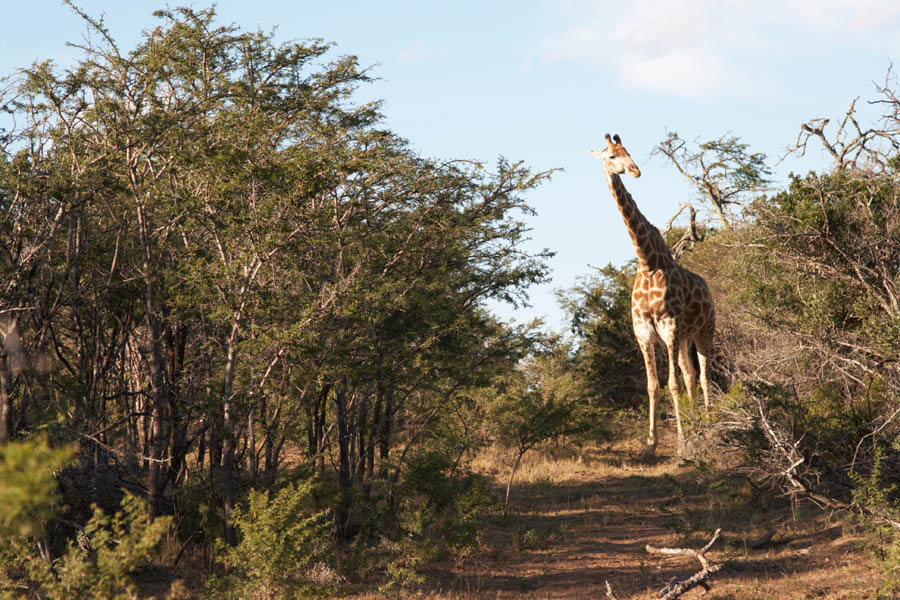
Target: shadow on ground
566, 539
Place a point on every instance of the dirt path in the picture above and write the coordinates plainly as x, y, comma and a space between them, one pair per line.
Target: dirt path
568, 534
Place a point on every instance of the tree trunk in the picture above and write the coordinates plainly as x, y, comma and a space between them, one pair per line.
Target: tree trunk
251, 442
320, 427
384, 429
157, 436
158, 401
511, 475
157, 367
228, 444
6, 407
370, 447
342, 514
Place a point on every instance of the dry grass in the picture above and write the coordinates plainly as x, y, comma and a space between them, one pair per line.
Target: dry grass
578, 519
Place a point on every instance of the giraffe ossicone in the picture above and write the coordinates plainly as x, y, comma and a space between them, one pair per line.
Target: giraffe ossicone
669, 303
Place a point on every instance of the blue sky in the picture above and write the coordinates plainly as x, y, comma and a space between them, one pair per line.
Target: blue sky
543, 80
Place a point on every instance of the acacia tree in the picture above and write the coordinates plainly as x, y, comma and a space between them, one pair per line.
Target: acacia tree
723, 171
540, 398
425, 250
608, 359
34, 204
249, 257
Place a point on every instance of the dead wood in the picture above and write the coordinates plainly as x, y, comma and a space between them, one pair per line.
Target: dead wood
677, 586
609, 592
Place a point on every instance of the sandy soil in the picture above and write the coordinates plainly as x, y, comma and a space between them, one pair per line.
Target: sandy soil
573, 527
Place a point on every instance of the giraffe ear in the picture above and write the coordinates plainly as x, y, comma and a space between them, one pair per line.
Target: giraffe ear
617, 139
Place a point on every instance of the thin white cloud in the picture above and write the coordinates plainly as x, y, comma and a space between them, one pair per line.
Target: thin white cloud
844, 16
656, 26
653, 45
701, 48
417, 51
683, 72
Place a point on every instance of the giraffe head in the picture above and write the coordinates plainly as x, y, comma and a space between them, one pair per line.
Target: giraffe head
616, 158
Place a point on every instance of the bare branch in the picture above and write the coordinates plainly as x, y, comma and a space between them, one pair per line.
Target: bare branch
691, 235
853, 146
677, 587
722, 171
609, 592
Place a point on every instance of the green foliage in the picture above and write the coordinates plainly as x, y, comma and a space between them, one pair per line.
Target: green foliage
28, 496
874, 495
723, 171
116, 545
198, 511
733, 166
539, 537
223, 203
440, 503
431, 515
544, 397
107, 550
608, 361
96, 566
836, 238
284, 540
872, 492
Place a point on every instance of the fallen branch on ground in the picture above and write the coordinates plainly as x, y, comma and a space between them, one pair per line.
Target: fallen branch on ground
676, 587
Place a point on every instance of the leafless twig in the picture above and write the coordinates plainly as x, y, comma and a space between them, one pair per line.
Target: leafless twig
691, 234
852, 146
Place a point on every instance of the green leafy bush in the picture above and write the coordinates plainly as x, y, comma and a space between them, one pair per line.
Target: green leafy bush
874, 494
439, 505
284, 543
97, 564
430, 515
607, 360
28, 496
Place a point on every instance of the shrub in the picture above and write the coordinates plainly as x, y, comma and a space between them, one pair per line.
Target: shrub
97, 564
284, 541
430, 515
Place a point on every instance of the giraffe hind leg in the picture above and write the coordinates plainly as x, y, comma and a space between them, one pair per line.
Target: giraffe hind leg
703, 350
688, 370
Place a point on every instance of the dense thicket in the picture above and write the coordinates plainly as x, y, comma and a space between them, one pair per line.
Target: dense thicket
217, 270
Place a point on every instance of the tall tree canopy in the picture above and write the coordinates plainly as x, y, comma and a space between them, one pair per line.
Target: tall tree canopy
211, 250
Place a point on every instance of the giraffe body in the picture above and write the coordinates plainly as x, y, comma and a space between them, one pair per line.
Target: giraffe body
669, 303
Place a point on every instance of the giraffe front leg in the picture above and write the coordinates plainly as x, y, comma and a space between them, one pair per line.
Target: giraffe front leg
672, 347
649, 354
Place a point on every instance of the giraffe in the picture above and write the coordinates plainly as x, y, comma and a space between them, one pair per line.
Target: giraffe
668, 302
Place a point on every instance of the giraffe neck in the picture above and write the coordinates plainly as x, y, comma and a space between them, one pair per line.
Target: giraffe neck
651, 248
